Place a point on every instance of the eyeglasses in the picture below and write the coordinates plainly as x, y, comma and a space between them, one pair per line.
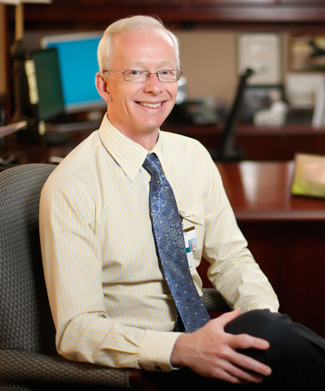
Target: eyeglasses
135, 76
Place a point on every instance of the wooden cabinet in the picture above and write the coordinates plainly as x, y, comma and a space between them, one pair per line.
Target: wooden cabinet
159, 3
303, 2
251, 14
224, 3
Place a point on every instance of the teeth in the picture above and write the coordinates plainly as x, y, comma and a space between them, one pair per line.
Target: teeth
151, 105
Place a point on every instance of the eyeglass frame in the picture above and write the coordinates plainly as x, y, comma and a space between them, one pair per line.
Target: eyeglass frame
179, 73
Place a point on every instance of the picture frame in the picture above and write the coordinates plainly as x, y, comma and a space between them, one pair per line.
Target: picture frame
261, 53
307, 52
309, 175
259, 97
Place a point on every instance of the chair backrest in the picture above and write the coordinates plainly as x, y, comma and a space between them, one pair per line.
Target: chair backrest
25, 318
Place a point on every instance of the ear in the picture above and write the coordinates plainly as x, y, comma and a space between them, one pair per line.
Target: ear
102, 87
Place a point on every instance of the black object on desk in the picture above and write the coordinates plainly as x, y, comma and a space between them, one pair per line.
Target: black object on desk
226, 149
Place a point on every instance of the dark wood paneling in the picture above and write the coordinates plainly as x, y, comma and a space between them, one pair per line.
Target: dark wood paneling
227, 3
251, 14
292, 257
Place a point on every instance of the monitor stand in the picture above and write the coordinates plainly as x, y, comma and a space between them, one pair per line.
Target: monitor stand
226, 150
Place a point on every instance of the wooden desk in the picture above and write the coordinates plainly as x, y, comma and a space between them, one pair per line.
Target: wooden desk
284, 233
260, 191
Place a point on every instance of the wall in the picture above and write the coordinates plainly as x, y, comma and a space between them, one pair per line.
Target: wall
208, 59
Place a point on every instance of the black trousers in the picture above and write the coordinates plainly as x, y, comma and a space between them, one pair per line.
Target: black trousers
296, 356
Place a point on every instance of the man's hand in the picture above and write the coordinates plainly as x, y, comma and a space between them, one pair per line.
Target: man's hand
211, 352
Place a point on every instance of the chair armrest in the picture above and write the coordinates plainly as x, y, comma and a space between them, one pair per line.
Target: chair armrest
18, 366
213, 300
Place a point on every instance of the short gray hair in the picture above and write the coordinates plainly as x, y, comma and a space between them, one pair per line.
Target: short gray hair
139, 22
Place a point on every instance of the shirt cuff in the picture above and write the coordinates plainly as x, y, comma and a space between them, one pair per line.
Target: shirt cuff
267, 307
156, 350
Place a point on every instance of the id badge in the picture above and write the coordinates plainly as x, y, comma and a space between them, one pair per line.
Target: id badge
190, 244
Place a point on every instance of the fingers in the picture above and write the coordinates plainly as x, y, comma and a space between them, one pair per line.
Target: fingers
243, 341
234, 368
238, 367
249, 365
212, 352
232, 374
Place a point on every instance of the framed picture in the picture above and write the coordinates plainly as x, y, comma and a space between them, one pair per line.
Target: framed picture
256, 98
307, 52
260, 52
309, 175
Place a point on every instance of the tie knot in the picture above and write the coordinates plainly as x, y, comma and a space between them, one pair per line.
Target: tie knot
152, 164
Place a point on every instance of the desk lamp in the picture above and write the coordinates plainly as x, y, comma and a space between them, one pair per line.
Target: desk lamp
22, 107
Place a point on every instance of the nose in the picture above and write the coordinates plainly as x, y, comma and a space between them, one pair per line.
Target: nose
153, 84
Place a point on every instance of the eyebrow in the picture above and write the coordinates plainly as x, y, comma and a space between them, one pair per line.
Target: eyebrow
141, 64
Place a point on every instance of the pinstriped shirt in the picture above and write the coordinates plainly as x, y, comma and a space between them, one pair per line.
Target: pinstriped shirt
109, 300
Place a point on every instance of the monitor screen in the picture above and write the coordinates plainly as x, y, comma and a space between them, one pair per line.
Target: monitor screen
43, 75
78, 66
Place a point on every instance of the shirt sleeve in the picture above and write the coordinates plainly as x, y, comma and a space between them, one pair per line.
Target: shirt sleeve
233, 269
73, 271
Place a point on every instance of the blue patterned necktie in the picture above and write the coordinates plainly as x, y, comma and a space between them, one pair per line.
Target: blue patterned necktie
168, 233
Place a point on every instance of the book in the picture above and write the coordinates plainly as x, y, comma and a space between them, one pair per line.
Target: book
309, 175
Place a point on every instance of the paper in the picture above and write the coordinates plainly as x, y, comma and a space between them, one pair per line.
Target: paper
8, 129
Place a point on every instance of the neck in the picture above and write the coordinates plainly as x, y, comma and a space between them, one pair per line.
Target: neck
147, 142
147, 138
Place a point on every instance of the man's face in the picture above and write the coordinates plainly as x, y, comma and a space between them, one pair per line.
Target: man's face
138, 109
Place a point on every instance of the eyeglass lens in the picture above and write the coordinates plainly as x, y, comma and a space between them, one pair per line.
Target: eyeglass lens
142, 76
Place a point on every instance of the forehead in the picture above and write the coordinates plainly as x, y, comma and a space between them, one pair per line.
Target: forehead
139, 47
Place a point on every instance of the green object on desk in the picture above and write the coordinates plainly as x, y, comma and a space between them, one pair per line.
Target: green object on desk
309, 176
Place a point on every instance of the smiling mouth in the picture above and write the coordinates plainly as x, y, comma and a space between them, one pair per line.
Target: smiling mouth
150, 105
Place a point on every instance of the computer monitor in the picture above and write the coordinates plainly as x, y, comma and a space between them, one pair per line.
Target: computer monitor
44, 82
78, 66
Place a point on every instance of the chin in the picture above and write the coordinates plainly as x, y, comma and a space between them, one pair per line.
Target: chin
154, 123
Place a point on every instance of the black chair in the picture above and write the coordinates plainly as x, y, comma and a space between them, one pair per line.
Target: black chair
28, 358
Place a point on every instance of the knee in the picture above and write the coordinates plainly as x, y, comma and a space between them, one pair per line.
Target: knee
283, 335
296, 354
258, 323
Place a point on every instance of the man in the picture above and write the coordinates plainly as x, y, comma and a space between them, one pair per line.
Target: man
109, 298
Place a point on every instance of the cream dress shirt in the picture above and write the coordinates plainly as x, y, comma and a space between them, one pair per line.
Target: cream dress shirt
109, 300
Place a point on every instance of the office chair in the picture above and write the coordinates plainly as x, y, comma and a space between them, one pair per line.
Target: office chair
28, 358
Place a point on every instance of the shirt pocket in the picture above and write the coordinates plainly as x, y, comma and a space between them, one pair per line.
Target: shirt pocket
194, 217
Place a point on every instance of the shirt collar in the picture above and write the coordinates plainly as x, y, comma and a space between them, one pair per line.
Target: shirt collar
128, 154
